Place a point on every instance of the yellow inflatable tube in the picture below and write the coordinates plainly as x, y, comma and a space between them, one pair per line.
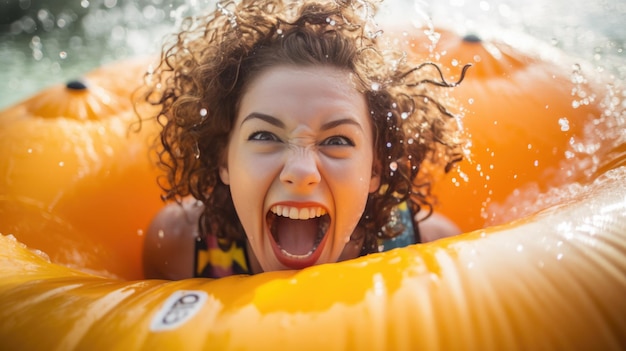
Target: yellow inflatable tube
552, 281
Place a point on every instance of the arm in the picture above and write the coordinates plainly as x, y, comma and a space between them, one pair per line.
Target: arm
169, 245
435, 227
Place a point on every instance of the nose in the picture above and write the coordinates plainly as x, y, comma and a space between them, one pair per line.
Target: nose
300, 170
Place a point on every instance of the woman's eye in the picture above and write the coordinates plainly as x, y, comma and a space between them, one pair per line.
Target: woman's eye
338, 140
263, 136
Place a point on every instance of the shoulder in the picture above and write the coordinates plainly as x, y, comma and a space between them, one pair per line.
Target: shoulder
170, 241
436, 226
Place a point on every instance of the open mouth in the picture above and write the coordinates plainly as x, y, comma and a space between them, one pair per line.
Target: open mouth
298, 233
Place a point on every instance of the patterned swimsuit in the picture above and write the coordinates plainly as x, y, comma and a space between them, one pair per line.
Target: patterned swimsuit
212, 261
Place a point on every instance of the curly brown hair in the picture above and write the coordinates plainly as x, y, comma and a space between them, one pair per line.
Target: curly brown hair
204, 72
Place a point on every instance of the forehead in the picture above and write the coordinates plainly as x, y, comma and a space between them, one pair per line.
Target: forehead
283, 88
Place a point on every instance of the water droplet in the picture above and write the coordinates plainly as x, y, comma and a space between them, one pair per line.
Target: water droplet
63, 55
196, 151
564, 123
375, 86
203, 112
373, 35
389, 144
393, 166
110, 3
61, 164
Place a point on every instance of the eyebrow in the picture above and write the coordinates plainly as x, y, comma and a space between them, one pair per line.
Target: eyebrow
267, 118
278, 123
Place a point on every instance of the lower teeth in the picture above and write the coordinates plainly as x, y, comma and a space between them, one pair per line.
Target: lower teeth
290, 255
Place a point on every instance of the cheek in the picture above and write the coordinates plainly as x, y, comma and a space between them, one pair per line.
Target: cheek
350, 185
250, 178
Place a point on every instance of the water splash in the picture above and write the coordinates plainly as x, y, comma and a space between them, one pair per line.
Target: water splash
93, 32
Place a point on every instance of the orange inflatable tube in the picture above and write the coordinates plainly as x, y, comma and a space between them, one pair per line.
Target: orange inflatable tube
551, 280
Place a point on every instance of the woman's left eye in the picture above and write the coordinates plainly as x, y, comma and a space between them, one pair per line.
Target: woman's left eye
338, 140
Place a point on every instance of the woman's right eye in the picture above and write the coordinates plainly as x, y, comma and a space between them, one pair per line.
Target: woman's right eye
263, 136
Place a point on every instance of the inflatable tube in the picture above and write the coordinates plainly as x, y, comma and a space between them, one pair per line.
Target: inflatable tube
532, 103
74, 167
552, 280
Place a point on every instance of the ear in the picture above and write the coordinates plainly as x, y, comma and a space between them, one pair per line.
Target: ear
375, 180
224, 174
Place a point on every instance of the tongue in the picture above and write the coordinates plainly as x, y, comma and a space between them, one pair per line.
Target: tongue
295, 236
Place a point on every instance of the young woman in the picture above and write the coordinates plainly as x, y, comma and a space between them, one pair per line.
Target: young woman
292, 138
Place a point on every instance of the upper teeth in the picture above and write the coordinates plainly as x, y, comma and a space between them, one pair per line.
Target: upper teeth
298, 213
